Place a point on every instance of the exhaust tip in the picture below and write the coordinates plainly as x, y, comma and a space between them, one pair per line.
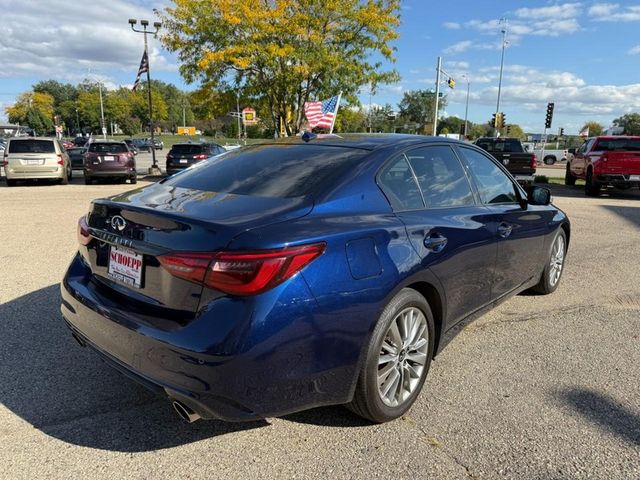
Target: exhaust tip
184, 412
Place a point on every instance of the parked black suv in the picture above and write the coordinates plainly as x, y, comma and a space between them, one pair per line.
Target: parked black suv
183, 155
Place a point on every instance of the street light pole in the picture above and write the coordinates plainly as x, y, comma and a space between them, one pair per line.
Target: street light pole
504, 44
154, 170
466, 108
103, 126
435, 113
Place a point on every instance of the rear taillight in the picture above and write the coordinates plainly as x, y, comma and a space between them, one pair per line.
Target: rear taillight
200, 157
241, 273
84, 237
60, 159
534, 162
5, 160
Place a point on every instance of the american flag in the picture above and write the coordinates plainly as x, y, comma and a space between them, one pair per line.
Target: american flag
144, 67
321, 114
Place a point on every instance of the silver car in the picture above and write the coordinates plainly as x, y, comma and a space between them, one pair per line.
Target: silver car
29, 158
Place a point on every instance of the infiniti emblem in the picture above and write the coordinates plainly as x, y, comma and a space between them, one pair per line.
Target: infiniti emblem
505, 161
117, 223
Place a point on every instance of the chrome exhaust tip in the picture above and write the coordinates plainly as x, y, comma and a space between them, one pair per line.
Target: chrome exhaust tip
184, 412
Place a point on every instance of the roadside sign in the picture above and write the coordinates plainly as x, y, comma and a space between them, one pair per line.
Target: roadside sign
249, 116
186, 130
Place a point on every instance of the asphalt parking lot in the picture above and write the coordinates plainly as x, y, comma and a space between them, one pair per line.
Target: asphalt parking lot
540, 388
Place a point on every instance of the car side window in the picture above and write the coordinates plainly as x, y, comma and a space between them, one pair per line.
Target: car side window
494, 186
441, 177
399, 185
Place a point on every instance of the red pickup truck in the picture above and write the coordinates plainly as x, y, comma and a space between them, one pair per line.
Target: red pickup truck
603, 161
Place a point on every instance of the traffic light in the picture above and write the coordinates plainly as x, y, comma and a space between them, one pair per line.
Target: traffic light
499, 123
549, 117
493, 120
503, 120
508, 129
452, 83
561, 132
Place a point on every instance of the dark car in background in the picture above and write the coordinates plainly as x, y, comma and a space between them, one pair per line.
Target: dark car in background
510, 152
146, 144
76, 154
183, 155
80, 141
109, 159
131, 144
285, 276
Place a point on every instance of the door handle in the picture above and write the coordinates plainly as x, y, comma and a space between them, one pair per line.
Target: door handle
504, 230
435, 242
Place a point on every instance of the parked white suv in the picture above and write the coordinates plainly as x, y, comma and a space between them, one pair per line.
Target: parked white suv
28, 158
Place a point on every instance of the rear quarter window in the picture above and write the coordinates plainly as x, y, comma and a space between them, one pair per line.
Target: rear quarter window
32, 146
271, 170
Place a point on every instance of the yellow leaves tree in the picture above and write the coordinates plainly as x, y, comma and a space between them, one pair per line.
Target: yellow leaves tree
31, 105
286, 52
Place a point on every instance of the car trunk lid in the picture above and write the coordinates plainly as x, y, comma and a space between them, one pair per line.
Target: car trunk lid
134, 229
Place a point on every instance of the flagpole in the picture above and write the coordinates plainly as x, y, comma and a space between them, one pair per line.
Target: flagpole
335, 115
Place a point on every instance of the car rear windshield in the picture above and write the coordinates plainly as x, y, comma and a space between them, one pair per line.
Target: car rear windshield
115, 147
32, 146
187, 149
271, 170
618, 144
506, 146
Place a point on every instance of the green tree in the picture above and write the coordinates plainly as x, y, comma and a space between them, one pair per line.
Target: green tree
350, 120
630, 122
594, 127
287, 52
418, 106
61, 92
515, 131
140, 106
480, 130
451, 124
41, 124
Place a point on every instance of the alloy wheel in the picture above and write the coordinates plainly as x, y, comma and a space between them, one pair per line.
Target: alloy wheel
402, 357
556, 261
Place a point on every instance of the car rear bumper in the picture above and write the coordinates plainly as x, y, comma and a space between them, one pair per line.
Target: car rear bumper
26, 173
116, 172
235, 361
524, 178
619, 179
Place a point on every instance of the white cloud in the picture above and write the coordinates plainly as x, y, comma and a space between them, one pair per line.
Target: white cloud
452, 25
567, 10
62, 43
610, 12
459, 47
634, 51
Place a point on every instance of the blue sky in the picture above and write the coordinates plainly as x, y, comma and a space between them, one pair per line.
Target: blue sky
584, 56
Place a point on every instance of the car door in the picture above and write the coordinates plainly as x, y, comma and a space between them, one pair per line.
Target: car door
579, 162
519, 231
432, 195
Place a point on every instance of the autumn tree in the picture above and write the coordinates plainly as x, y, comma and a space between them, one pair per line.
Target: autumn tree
594, 127
34, 109
287, 52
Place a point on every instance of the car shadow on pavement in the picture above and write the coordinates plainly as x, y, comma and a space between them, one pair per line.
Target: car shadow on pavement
630, 214
605, 412
67, 392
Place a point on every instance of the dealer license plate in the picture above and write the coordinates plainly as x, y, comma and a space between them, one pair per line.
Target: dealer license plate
125, 266
183, 160
108, 158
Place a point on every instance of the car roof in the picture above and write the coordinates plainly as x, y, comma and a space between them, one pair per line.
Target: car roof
365, 141
13, 139
106, 141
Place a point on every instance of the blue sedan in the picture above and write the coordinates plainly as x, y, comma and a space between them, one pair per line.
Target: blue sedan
314, 271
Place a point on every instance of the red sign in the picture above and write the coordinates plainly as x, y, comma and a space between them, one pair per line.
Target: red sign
249, 116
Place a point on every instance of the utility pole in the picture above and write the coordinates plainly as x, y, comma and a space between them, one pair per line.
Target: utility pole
435, 113
466, 108
503, 21
154, 170
103, 126
238, 113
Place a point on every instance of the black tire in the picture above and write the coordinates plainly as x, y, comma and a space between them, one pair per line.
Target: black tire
549, 160
547, 284
87, 180
591, 187
65, 180
134, 180
569, 179
367, 401
70, 176
11, 183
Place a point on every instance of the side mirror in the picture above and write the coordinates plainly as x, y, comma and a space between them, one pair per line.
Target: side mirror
572, 151
539, 196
